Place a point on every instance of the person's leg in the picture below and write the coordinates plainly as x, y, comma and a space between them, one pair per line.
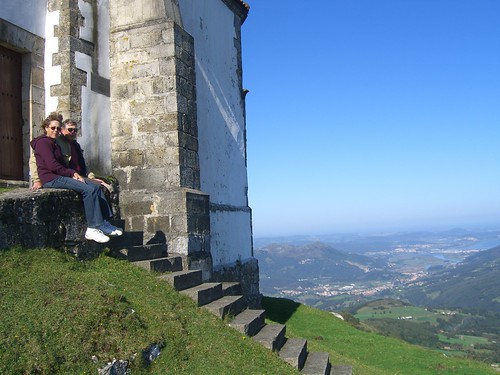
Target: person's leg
90, 194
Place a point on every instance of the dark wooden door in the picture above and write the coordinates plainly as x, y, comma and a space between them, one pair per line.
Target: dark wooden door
11, 134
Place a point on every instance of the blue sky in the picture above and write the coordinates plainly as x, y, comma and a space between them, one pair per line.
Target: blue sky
369, 115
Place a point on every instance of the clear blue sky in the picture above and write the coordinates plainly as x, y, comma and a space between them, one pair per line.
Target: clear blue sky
369, 115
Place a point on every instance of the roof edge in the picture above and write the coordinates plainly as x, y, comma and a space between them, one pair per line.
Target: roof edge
239, 7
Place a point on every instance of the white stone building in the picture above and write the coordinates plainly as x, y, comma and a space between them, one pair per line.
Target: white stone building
156, 86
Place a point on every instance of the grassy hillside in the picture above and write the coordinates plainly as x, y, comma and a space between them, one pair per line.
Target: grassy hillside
368, 353
62, 316
472, 284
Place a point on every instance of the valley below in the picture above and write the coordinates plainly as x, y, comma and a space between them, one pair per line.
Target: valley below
440, 288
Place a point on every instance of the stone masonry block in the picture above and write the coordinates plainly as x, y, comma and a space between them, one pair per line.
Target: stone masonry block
147, 39
171, 104
136, 224
150, 107
161, 85
179, 224
151, 179
135, 208
168, 66
162, 123
148, 69
130, 158
158, 224
161, 52
197, 203
188, 142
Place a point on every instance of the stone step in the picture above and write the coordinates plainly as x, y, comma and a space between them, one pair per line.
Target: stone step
249, 321
127, 239
181, 280
317, 363
138, 252
341, 370
204, 293
231, 289
227, 305
271, 336
167, 264
294, 351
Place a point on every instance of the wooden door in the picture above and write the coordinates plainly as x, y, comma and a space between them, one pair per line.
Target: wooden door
11, 134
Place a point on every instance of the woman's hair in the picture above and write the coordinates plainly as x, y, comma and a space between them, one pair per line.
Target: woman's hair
54, 116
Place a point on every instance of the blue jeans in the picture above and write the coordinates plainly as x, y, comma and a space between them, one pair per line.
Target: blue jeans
96, 206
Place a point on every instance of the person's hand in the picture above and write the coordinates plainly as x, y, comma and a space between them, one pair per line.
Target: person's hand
98, 181
36, 185
76, 176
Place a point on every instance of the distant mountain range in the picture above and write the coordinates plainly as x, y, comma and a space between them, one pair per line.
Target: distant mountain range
291, 266
473, 284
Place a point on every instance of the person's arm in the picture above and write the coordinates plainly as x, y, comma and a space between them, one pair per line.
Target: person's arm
35, 180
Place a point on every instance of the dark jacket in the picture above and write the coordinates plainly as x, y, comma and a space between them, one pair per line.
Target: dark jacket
68, 156
49, 159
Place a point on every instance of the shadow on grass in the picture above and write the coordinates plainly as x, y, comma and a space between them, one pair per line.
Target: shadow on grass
279, 309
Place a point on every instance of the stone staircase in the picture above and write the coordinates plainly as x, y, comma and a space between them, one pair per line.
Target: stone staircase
225, 300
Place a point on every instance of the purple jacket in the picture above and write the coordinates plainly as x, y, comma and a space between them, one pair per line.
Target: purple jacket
49, 160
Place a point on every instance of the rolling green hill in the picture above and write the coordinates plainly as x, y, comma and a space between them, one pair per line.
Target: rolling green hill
62, 316
471, 285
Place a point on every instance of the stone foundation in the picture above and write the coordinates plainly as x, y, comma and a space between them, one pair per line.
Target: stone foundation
245, 272
45, 218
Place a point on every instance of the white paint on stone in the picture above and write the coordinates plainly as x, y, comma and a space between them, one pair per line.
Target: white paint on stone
27, 14
95, 135
221, 126
87, 29
52, 73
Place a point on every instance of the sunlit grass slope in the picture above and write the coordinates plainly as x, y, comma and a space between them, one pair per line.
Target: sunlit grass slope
59, 315
368, 353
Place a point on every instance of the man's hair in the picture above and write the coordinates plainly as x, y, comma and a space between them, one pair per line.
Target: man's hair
54, 116
69, 121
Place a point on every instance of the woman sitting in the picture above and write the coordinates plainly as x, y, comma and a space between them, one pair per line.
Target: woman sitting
54, 174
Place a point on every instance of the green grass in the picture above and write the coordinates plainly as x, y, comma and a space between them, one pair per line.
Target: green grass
463, 340
419, 314
56, 313
368, 353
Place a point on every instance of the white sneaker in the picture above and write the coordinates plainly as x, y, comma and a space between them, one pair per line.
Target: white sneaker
110, 230
96, 235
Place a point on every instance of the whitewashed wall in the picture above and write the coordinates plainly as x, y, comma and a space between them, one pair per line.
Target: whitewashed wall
27, 14
95, 135
221, 127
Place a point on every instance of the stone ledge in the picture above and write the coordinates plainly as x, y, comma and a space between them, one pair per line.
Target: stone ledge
45, 218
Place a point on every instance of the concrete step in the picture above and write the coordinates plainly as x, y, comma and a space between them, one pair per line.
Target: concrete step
167, 264
249, 321
231, 289
227, 305
181, 280
271, 336
294, 351
317, 363
139, 252
341, 370
204, 293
